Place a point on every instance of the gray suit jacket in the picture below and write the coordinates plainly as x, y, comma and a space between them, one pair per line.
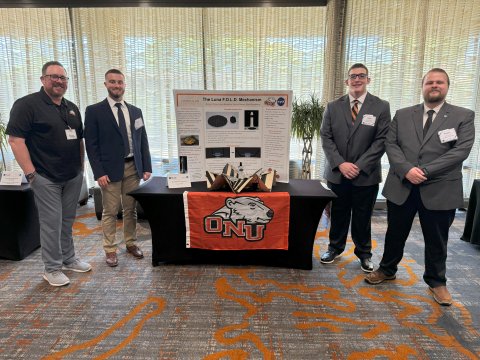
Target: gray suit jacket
360, 144
406, 148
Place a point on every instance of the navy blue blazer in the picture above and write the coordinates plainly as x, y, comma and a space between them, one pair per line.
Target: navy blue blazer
104, 142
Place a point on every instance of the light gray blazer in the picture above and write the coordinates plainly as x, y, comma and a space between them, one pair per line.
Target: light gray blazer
360, 144
407, 148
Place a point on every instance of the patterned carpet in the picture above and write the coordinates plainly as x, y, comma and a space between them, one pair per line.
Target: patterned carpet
137, 311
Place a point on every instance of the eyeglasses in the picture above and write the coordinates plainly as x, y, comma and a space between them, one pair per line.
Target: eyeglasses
55, 77
360, 76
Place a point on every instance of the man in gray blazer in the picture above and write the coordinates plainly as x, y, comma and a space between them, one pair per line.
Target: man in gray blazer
426, 146
353, 134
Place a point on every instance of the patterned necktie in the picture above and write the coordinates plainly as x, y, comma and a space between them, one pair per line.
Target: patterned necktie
428, 123
354, 110
123, 129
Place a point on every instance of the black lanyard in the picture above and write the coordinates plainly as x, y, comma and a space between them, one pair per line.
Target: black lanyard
62, 111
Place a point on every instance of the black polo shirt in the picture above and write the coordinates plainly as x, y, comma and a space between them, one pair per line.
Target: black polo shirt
42, 123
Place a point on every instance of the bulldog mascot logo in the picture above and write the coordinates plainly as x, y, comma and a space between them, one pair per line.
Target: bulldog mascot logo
243, 216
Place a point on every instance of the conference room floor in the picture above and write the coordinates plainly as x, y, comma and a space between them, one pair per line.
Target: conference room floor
136, 311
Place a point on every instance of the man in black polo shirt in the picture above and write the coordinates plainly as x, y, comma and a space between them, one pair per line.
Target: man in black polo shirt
46, 136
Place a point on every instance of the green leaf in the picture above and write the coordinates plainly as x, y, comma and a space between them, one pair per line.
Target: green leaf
3, 142
307, 116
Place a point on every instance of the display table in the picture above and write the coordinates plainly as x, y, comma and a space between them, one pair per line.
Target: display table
471, 233
18, 222
163, 207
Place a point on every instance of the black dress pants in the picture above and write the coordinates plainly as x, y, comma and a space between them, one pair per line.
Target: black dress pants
353, 203
435, 226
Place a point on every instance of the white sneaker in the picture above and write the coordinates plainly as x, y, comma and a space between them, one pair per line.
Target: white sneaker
78, 266
56, 278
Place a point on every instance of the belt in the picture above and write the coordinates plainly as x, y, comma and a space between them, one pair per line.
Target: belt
128, 159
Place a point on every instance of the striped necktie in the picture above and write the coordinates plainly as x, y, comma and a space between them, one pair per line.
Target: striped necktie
354, 110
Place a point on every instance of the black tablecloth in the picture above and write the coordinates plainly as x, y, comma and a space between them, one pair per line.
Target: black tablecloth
164, 210
471, 232
18, 222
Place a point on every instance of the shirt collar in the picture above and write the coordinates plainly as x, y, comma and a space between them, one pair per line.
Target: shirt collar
112, 102
436, 108
360, 99
48, 99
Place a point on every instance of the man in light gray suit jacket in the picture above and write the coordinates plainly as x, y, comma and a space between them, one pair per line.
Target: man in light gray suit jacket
353, 134
426, 146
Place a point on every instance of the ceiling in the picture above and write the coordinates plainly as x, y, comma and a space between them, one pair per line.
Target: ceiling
157, 3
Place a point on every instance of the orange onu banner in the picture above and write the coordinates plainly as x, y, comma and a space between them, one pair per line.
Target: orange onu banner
227, 221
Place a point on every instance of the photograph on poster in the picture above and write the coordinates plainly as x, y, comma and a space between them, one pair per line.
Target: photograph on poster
220, 152
224, 120
247, 152
189, 140
251, 119
183, 165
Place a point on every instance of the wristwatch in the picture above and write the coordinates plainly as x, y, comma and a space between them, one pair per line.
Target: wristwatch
30, 176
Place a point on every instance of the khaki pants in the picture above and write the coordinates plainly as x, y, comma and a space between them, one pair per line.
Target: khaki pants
114, 195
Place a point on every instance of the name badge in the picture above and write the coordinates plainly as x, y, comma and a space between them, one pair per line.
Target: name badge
368, 120
138, 123
447, 135
71, 134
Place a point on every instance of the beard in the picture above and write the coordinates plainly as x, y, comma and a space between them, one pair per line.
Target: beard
434, 98
118, 95
56, 91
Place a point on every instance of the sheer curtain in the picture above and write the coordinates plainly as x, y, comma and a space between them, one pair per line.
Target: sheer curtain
265, 49
28, 39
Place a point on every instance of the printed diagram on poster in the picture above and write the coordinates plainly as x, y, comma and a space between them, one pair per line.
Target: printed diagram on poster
219, 127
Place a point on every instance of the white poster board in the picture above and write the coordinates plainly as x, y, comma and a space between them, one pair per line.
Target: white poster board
219, 127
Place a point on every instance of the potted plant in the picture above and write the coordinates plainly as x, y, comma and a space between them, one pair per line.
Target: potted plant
307, 116
3, 144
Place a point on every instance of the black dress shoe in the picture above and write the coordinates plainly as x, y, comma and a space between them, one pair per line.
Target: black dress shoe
367, 265
329, 256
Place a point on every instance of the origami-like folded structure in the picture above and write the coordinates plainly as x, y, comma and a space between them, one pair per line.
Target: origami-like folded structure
229, 179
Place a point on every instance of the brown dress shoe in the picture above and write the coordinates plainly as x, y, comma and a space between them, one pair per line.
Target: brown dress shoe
111, 259
441, 295
135, 251
377, 277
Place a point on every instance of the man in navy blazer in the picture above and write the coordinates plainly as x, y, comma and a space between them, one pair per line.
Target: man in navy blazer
117, 147
353, 134
426, 146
